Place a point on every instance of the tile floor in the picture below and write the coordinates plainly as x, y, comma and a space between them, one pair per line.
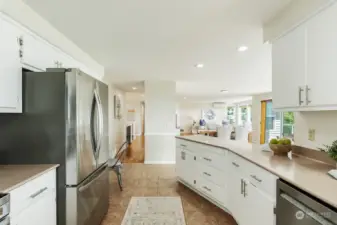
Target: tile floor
160, 180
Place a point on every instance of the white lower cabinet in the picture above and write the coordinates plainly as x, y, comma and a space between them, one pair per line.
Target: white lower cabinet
240, 187
34, 203
42, 212
185, 166
260, 207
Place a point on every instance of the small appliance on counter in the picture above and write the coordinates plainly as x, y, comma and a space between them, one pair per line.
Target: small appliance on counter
4, 209
295, 207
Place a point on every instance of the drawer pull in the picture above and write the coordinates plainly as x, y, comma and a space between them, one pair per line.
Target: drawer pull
183, 145
207, 174
235, 164
207, 159
207, 189
256, 178
38, 192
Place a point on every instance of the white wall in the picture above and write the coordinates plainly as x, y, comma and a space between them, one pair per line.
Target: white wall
160, 124
23, 14
117, 127
324, 122
295, 13
256, 115
133, 102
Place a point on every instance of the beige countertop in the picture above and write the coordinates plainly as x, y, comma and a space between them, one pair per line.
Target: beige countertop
13, 176
308, 175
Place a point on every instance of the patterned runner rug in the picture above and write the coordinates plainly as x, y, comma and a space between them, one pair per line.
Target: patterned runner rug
154, 211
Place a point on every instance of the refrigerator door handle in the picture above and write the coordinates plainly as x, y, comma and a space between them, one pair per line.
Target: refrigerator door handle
101, 122
93, 179
92, 124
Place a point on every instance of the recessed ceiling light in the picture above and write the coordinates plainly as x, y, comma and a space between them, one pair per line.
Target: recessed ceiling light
185, 98
242, 48
199, 65
134, 88
224, 91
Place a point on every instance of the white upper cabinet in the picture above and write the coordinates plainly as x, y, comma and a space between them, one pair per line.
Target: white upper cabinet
322, 59
37, 54
10, 69
304, 65
288, 58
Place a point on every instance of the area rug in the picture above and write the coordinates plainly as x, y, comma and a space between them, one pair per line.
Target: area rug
154, 211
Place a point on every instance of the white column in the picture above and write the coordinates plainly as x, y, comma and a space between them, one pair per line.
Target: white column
160, 124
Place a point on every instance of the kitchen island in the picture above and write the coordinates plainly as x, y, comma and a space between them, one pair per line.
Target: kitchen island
241, 179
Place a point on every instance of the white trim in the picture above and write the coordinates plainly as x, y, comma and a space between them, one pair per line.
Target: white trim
139, 134
160, 162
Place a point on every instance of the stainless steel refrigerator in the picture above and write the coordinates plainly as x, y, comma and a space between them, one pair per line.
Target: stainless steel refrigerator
64, 121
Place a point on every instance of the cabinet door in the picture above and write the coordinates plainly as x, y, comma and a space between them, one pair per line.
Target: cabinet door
186, 168
260, 207
322, 55
288, 68
236, 199
10, 69
37, 54
43, 212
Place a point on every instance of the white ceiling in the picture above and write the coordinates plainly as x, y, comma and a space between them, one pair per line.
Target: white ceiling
155, 39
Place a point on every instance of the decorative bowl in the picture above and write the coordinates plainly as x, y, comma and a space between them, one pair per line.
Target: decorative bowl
280, 149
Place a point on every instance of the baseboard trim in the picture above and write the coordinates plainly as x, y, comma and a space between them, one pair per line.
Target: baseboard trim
160, 162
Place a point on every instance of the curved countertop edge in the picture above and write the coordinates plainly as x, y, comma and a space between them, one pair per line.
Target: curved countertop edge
36, 171
310, 175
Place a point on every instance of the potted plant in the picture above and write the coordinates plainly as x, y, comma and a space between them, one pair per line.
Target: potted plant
331, 150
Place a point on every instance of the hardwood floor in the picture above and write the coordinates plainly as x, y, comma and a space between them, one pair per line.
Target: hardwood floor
160, 180
136, 151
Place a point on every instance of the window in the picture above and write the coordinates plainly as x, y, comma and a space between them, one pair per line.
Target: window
231, 115
275, 124
243, 115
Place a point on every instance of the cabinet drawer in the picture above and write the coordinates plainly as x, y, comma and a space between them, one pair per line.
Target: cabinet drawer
211, 174
260, 177
209, 157
263, 179
27, 194
238, 162
212, 190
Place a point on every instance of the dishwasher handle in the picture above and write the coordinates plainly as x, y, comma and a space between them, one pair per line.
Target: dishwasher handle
305, 211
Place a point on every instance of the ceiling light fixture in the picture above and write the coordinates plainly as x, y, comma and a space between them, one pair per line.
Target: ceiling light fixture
185, 98
134, 88
199, 65
242, 48
224, 91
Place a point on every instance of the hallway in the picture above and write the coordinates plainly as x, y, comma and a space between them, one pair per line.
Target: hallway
136, 151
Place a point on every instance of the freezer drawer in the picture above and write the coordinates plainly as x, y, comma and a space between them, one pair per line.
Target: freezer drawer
88, 203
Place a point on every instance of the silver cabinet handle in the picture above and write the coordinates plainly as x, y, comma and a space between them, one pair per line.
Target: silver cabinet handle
241, 186
256, 178
307, 89
300, 95
207, 174
235, 164
38, 192
207, 159
183, 145
244, 189
207, 189
183, 155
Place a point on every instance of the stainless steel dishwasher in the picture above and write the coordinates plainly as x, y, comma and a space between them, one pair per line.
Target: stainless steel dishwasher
4, 209
295, 207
